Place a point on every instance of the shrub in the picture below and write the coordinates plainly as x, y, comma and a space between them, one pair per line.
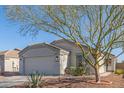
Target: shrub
34, 80
119, 71
75, 71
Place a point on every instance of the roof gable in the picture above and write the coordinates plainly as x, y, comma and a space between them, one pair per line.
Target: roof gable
67, 41
67, 45
39, 45
9, 53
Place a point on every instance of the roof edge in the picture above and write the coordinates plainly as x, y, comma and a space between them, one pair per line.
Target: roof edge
44, 43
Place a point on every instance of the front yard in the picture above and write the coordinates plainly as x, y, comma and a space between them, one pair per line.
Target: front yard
82, 82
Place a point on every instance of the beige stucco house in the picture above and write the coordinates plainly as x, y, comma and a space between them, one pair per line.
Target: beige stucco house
9, 61
53, 58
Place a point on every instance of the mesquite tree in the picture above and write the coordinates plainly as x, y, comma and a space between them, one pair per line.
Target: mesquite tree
97, 27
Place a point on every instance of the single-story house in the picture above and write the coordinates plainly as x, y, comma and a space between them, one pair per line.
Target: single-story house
55, 57
9, 61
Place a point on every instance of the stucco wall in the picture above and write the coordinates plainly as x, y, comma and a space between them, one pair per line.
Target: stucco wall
114, 62
11, 64
102, 69
63, 63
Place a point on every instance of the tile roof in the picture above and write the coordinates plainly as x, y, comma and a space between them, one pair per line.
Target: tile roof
9, 53
3, 52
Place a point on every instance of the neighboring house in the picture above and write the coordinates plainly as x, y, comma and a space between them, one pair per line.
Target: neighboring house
9, 61
54, 58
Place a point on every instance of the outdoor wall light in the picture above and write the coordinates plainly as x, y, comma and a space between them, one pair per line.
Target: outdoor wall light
57, 58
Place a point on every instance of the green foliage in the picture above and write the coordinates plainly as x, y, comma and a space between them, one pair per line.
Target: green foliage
119, 71
34, 80
76, 71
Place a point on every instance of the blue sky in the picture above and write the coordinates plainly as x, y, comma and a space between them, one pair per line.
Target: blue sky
10, 37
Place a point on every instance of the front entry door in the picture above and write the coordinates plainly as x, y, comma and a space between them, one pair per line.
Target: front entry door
78, 60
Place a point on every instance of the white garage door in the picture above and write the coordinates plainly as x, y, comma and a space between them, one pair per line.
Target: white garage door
45, 65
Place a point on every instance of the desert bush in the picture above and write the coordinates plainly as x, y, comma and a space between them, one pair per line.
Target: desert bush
75, 71
119, 71
34, 80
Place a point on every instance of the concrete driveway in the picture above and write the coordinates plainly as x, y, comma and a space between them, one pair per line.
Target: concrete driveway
8, 81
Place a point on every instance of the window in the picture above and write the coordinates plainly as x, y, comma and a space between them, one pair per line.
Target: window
13, 64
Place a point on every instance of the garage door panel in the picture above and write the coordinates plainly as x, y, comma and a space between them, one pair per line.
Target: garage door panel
45, 65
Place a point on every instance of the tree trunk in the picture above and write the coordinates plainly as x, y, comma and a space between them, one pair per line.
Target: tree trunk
123, 76
97, 74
